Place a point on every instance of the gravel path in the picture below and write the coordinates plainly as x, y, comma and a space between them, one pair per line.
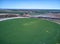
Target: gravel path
2, 19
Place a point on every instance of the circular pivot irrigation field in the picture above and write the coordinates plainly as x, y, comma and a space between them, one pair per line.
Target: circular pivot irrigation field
29, 31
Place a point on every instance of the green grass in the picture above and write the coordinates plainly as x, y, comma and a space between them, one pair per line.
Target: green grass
29, 31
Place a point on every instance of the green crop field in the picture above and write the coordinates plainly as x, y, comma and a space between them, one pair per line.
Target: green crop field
29, 31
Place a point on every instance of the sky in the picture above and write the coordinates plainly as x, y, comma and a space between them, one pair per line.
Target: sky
30, 4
